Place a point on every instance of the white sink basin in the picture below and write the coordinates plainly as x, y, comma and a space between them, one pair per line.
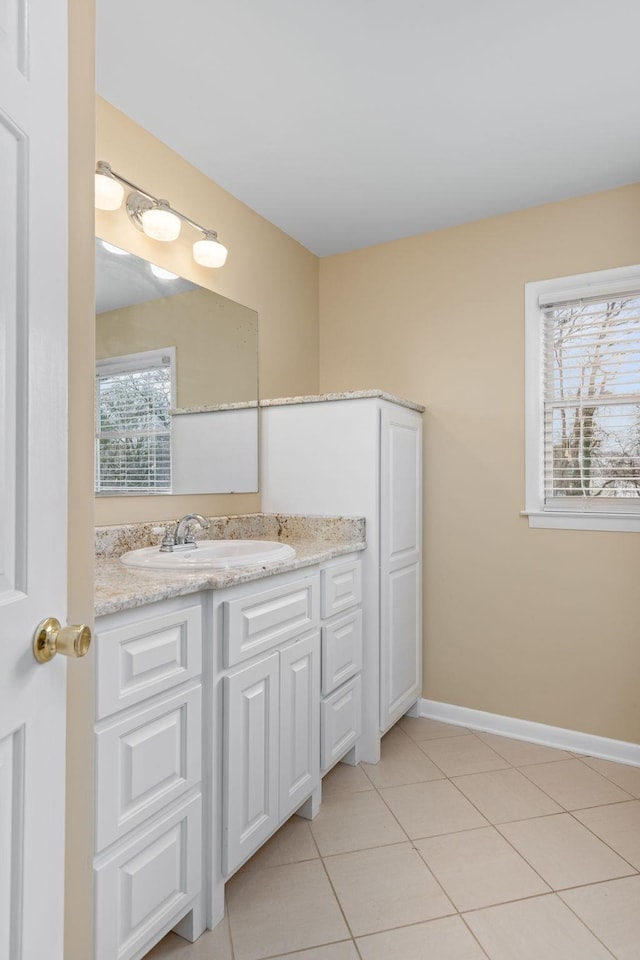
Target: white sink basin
211, 555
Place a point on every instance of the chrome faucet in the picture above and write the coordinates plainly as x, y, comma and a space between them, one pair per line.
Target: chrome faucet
182, 535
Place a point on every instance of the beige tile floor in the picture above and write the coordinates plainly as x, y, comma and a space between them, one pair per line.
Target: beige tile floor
456, 846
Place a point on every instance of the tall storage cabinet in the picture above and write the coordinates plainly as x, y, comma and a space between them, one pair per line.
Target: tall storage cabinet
361, 455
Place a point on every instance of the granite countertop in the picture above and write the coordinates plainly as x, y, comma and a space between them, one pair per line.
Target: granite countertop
119, 587
350, 395
215, 408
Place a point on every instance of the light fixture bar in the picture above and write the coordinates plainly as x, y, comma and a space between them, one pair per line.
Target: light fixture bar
144, 209
105, 169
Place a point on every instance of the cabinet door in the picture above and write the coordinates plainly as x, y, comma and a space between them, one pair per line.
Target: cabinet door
341, 720
142, 887
137, 659
341, 650
340, 587
250, 759
299, 722
400, 562
264, 619
145, 761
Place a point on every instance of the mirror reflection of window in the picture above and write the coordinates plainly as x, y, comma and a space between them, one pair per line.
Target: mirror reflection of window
214, 407
134, 398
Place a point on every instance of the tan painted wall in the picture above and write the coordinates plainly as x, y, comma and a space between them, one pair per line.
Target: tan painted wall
537, 624
266, 270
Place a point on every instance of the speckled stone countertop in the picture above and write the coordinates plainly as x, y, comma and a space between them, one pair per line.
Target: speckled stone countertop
120, 587
352, 395
216, 408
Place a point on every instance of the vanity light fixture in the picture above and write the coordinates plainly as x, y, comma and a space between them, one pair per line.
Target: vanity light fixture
208, 252
156, 218
109, 191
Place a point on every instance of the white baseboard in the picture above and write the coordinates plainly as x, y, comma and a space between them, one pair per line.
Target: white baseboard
602, 747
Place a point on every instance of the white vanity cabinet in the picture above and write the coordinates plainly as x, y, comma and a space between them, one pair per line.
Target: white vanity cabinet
361, 456
285, 703
216, 715
148, 865
341, 631
269, 686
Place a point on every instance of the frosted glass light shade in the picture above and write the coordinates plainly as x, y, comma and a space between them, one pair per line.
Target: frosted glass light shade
108, 192
209, 253
160, 223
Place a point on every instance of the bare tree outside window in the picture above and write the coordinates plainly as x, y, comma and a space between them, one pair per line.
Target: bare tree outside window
592, 399
133, 426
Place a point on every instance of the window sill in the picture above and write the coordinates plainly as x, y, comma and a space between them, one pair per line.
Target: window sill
571, 520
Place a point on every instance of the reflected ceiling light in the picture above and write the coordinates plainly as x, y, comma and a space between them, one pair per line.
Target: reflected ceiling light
117, 250
109, 191
161, 273
156, 218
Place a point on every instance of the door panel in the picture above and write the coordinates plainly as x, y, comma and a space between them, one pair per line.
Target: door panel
401, 623
33, 466
299, 722
12, 359
400, 562
250, 762
11, 791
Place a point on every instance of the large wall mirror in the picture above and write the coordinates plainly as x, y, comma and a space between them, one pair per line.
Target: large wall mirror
176, 383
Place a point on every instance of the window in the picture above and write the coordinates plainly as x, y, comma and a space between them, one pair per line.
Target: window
583, 401
134, 397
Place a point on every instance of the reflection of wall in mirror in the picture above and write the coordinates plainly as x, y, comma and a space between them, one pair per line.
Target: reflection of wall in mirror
215, 450
215, 340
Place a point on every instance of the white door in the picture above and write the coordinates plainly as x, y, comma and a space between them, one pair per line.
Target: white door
33, 458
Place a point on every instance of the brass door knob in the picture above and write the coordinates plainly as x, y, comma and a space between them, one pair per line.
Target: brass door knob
51, 638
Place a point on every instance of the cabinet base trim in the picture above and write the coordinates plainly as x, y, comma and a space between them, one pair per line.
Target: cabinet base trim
592, 745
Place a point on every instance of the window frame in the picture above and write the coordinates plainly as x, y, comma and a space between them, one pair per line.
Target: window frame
616, 515
126, 363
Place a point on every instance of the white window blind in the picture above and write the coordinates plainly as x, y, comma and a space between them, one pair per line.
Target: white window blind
134, 396
591, 399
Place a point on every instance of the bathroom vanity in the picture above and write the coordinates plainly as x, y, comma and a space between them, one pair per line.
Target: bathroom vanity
224, 696
218, 709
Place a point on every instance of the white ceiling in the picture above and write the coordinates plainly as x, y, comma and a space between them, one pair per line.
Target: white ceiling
354, 122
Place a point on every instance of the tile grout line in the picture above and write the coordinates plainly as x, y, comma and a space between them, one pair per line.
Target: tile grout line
606, 803
488, 824
583, 759
494, 826
552, 891
608, 845
333, 890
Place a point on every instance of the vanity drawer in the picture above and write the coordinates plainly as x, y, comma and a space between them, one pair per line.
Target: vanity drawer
259, 621
340, 722
341, 587
341, 650
146, 761
145, 885
147, 656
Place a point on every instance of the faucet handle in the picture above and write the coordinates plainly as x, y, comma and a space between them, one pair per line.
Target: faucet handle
168, 540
